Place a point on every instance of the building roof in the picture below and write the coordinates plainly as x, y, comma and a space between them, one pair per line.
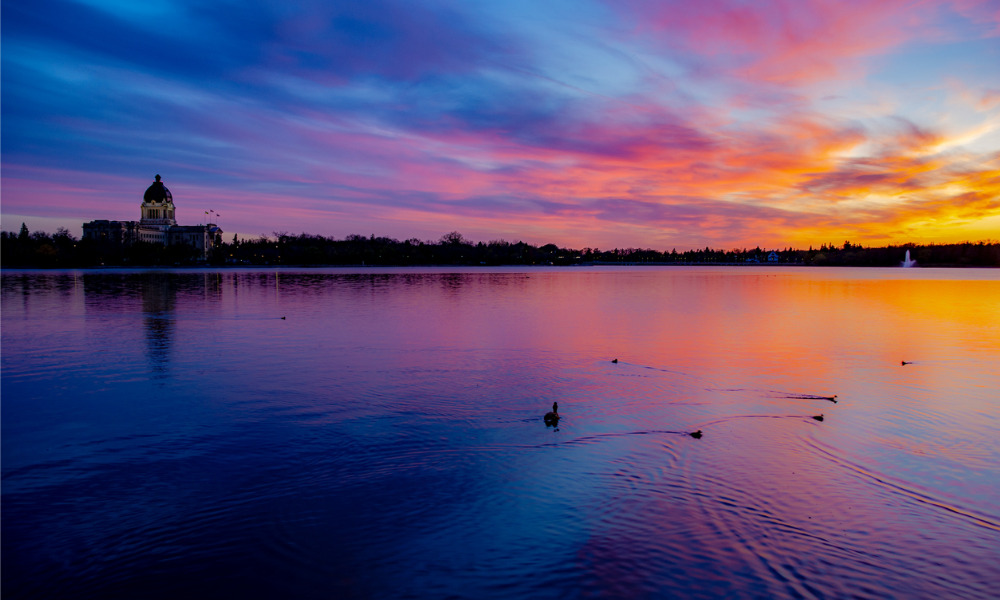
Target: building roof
157, 192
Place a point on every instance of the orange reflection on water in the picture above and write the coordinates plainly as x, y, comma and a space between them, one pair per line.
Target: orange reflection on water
728, 350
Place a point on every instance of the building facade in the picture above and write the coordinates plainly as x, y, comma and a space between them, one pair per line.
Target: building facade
157, 225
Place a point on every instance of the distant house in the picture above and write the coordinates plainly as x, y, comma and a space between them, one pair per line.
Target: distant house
772, 257
157, 225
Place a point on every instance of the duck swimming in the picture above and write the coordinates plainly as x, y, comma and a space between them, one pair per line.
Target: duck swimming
818, 417
552, 418
696, 434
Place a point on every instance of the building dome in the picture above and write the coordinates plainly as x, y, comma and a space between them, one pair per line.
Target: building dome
157, 192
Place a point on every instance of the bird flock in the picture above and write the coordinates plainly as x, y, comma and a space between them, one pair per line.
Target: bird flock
551, 418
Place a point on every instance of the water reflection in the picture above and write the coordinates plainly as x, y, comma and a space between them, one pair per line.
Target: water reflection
158, 299
387, 439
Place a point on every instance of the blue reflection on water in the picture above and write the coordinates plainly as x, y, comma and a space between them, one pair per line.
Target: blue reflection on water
169, 434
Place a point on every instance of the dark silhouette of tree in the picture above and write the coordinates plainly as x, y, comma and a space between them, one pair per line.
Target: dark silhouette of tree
454, 238
39, 249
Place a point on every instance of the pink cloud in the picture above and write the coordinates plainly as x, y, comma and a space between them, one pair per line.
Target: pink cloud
785, 42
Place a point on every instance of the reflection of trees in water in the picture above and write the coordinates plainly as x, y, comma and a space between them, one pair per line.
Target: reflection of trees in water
158, 299
320, 284
30, 292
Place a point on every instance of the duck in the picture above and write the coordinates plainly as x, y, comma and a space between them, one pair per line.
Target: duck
696, 434
903, 363
552, 418
818, 417
615, 361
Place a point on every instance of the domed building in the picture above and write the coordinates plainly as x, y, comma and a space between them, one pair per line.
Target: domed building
157, 214
156, 225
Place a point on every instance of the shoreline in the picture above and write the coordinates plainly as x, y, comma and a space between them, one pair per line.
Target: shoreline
377, 267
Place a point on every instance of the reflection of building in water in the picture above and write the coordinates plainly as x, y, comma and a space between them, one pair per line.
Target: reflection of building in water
158, 295
157, 225
143, 304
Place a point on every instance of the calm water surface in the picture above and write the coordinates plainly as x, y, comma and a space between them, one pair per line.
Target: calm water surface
170, 434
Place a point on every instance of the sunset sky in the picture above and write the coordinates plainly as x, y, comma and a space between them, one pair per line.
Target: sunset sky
625, 123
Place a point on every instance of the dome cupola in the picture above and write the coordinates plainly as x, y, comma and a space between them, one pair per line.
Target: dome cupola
157, 193
157, 208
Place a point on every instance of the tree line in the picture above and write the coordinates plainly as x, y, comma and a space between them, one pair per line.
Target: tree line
62, 250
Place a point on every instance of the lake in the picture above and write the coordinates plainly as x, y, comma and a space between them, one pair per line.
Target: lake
349, 433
